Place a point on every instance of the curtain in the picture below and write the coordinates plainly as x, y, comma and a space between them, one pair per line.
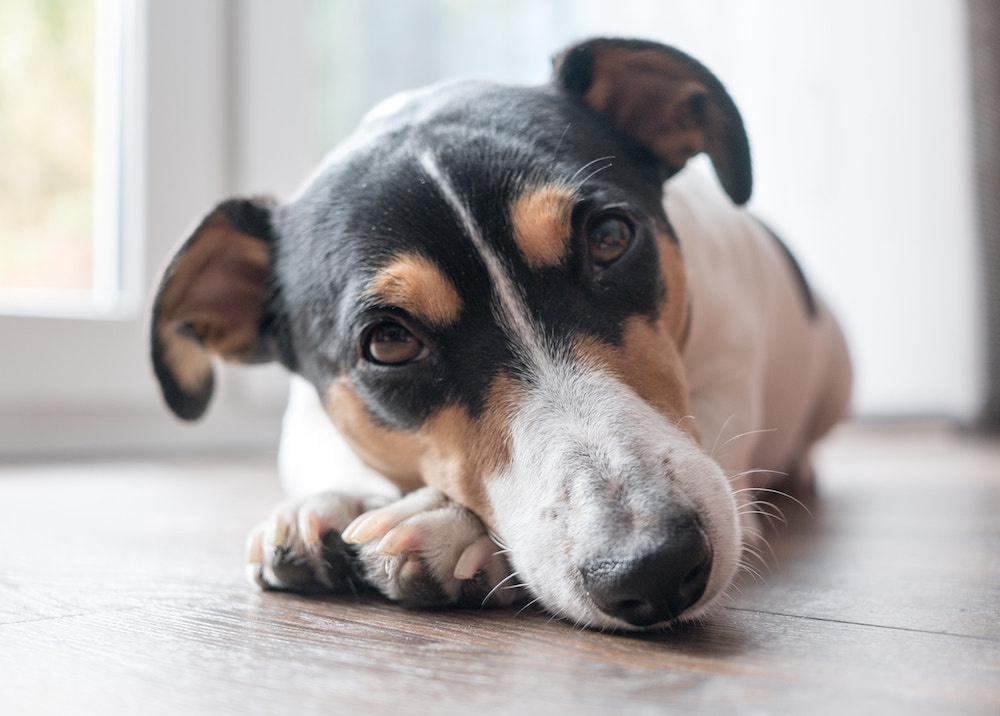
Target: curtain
984, 20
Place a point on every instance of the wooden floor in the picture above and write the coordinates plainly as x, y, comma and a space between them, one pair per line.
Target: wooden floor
122, 591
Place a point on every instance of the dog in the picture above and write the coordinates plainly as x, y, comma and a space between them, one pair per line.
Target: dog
528, 361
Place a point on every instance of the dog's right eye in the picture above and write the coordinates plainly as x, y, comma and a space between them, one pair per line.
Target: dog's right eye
389, 343
608, 238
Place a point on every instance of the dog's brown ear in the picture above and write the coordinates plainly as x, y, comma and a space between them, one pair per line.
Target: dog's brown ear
663, 99
213, 300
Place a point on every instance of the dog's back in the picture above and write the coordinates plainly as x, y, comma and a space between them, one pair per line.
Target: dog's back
764, 351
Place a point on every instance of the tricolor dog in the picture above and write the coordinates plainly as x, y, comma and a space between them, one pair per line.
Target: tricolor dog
526, 364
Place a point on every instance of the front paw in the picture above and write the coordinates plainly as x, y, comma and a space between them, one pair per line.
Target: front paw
425, 550
299, 546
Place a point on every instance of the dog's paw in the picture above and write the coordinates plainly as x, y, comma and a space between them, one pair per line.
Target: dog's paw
425, 550
299, 547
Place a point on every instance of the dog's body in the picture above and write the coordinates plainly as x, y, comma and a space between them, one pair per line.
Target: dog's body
518, 346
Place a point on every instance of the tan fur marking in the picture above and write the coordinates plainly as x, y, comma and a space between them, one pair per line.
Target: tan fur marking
217, 289
392, 453
463, 453
417, 285
452, 451
190, 366
541, 219
674, 315
649, 359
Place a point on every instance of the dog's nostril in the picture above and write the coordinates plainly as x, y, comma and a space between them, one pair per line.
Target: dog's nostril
656, 585
698, 575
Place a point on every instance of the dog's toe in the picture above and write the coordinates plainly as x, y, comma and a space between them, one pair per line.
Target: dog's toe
380, 522
426, 550
299, 547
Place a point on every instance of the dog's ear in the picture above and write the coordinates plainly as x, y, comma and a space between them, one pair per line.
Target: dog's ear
213, 299
663, 99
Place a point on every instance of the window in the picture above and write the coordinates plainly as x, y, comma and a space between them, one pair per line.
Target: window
60, 127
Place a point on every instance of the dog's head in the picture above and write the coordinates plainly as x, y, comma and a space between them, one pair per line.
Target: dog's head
483, 287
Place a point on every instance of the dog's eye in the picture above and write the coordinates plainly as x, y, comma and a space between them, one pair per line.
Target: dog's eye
608, 237
389, 343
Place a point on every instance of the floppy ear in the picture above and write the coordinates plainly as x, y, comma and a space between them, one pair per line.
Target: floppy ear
663, 99
213, 299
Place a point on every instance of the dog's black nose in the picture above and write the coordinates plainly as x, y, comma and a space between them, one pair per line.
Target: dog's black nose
655, 585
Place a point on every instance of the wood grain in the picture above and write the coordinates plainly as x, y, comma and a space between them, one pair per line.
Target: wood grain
121, 591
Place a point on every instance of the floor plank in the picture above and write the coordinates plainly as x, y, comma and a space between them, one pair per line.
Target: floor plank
121, 590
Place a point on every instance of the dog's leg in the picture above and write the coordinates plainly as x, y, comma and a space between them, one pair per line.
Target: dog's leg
422, 550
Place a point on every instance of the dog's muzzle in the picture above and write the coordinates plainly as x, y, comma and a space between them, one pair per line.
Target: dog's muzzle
612, 515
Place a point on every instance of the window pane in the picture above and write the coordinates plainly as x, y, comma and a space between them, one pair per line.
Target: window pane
46, 143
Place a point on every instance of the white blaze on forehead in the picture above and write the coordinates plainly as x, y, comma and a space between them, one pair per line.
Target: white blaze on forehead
509, 303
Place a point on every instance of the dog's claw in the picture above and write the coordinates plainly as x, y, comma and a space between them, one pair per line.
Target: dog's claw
255, 551
278, 533
398, 540
310, 528
367, 527
475, 558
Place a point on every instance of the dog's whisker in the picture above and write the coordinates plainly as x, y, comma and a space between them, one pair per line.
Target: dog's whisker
776, 513
715, 445
746, 434
561, 138
586, 166
727, 596
764, 509
764, 563
756, 471
595, 173
767, 543
754, 552
497, 586
497, 541
689, 416
756, 575
787, 496
532, 603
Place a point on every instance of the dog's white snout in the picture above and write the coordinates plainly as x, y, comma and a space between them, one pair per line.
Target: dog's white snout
653, 585
612, 515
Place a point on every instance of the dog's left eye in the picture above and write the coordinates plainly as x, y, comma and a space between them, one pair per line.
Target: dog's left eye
608, 237
390, 343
